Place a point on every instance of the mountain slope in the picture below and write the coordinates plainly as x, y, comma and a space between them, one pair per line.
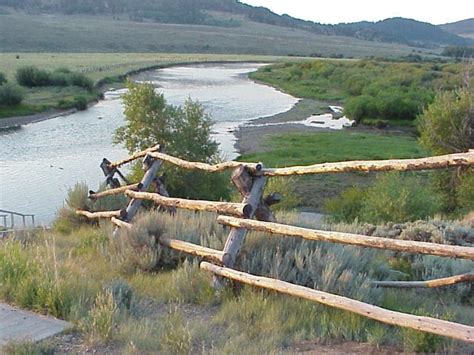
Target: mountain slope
401, 30
464, 28
234, 14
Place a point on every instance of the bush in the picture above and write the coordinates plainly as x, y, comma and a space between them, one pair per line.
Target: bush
80, 103
31, 76
392, 198
347, 207
81, 80
3, 79
10, 95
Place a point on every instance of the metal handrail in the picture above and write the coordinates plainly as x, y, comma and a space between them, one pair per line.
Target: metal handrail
12, 215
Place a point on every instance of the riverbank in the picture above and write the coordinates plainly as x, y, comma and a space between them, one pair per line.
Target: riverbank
12, 122
107, 70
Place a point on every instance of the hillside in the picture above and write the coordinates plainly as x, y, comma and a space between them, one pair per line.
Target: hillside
401, 30
464, 28
20, 32
233, 14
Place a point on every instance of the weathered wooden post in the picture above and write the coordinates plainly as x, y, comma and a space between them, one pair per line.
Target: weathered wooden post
251, 188
151, 165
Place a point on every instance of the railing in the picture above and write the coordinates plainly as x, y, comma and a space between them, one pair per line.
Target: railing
250, 180
5, 214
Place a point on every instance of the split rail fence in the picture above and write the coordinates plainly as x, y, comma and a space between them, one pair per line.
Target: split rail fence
254, 214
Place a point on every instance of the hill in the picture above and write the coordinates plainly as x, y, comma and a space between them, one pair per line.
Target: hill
464, 28
21, 32
234, 14
401, 30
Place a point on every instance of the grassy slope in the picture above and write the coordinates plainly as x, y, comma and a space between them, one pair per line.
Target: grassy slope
311, 148
27, 33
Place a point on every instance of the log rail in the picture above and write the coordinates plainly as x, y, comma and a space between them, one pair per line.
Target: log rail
250, 180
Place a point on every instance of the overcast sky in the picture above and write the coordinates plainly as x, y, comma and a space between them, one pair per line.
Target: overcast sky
336, 11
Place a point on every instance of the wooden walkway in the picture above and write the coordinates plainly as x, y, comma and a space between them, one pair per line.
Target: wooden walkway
17, 325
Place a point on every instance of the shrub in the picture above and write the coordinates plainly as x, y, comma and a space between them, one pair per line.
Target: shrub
31, 76
3, 79
138, 249
10, 95
399, 198
347, 207
79, 79
393, 197
80, 103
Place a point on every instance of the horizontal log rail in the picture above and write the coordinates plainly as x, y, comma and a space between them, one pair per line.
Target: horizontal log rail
96, 215
135, 156
439, 162
429, 163
112, 192
426, 324
191, 165
446, 281
234, 209
407, 246
121, 224
213, 255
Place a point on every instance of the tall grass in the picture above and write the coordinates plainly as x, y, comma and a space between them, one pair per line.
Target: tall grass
172, 307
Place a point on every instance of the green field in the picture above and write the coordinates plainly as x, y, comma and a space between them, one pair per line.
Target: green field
21, 32
311, 148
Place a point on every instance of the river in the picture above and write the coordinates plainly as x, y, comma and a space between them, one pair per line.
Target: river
41, 161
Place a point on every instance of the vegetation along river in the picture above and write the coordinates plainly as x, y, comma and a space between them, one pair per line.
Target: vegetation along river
41, 161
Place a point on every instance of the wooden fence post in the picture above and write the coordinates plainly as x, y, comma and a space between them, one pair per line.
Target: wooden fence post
152, 166
251, 187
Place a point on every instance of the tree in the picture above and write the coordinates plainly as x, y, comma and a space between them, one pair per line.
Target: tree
184, 131
447, 125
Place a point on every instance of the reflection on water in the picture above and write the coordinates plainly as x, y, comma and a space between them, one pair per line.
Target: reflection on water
39, 162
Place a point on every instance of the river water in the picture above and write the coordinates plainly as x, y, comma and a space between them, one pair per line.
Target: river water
41, 161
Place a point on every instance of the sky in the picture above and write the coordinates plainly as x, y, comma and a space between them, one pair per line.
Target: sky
337, 11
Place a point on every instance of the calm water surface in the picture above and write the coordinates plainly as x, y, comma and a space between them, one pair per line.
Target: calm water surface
41, 161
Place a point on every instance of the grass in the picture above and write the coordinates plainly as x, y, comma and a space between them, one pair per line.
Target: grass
174, 309
311, 148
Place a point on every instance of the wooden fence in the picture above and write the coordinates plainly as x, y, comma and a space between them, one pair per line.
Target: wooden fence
250, 180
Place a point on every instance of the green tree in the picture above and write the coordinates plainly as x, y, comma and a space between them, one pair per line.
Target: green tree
447, 125
184, 132
10, 95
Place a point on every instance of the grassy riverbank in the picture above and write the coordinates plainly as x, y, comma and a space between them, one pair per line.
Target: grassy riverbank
375, 92
280, 149
105, 69
131, 296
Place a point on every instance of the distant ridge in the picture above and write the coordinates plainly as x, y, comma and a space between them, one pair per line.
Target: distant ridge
464, 28
234, 14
